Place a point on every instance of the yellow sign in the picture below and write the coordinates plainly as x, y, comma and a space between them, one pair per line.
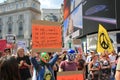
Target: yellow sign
104, 42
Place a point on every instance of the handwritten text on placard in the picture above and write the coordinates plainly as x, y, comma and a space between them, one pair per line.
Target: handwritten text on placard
46, 36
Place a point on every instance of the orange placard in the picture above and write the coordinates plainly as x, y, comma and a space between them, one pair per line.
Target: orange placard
46, 37
72, 75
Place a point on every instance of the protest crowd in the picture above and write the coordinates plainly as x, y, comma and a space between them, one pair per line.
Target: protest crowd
45, 65
59, 44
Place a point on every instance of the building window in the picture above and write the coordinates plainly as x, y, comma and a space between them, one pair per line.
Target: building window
33, 5
10, 28
1, 24
20, 26
20, 32
51, 17
20, 17
0, 31
10, 25
10, 18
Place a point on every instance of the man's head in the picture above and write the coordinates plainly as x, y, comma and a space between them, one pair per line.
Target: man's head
7, 51
71, 55
44, 57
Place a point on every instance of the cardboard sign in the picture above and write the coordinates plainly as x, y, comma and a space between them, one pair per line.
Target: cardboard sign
22, 44
10, 38
2, 45
70, 75
46, 37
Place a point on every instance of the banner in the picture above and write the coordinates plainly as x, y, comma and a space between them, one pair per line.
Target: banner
2, 45
104, 42
10, 38
70, 75
22, 44
46, 36
66, 8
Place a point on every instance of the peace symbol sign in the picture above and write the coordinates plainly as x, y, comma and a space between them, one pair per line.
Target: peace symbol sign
103, 41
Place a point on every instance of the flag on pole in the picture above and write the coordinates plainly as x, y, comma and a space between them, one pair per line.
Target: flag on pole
104, 42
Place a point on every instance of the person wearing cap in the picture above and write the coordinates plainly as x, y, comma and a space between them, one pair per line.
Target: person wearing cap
7, 51
69, 64
94, 67
44, 67
88, 60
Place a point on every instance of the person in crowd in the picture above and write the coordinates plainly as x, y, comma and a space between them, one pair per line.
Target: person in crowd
106, 53
117, 73
24, 64
7, 51
94, 67
9, 69
117, 58
69, 64
105, 68
1, 54
112, 58
56, 65
89, 57
34, 72
44, 67
80, 62
88, 60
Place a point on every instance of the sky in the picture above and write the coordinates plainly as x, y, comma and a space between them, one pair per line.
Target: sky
54, 4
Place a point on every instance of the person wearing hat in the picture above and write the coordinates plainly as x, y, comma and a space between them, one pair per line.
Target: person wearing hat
44, 66
7, 51
94, 67
88, 60
69, 64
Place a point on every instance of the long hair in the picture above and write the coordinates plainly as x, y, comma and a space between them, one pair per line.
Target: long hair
9, 68
18, 49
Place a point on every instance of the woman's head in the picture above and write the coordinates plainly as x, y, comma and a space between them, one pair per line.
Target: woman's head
95, 57
9, 68
20, 52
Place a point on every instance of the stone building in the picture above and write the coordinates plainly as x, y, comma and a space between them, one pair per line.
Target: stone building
16, 18
54, 15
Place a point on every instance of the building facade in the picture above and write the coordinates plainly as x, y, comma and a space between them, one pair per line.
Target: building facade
82, 19
16, 18
54, 15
